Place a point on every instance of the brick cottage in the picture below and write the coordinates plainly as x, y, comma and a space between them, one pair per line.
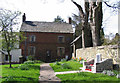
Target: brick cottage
46, 41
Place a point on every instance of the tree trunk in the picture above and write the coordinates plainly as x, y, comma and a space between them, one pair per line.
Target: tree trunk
96, 22
86, 33
9, 59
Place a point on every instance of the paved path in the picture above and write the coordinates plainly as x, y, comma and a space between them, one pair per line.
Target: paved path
47, 75
67, 72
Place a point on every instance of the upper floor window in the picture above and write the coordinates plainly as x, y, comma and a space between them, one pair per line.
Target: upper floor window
61, 39
32, 38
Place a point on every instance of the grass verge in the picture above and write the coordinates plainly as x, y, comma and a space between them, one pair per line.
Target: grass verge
17, 75
66, 66
87, 77
0, 73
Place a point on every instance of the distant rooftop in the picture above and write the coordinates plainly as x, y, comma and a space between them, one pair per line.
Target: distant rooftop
55, 27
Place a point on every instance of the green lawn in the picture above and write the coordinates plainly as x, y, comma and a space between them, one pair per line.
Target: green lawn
16, 75
0, 73
71, 65
87, 77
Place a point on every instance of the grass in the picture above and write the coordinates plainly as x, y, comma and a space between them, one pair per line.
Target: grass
0, 73
87, 77
73, 65
16, 75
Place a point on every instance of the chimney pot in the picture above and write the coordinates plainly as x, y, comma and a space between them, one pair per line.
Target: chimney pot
70, 20
24, 17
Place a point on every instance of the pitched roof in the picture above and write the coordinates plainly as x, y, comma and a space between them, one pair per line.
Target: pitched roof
55, 27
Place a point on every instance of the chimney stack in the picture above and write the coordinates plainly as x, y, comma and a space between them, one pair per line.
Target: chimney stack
70, 20
24, 17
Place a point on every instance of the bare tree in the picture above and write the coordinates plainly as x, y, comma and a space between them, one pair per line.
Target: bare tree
91, 19
8, 20
96, 17
86, 33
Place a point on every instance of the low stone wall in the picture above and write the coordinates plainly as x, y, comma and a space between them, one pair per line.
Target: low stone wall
108, 52
105, 65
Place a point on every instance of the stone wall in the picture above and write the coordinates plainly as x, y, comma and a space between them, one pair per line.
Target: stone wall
108, 52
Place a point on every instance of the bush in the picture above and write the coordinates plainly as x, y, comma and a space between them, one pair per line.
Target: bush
29, 62
38, 61
57, 63
31, 58
81, 62
110, 73
63, 60
104, 72
66, 66
23, 67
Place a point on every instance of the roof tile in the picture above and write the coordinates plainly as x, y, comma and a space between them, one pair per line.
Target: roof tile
56, 27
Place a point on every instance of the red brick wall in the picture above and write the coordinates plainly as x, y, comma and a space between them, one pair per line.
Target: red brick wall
47, 41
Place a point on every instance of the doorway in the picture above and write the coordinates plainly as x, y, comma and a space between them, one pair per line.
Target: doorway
48, 56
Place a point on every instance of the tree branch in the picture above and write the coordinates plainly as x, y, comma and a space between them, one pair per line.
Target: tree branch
111, 6
80, 8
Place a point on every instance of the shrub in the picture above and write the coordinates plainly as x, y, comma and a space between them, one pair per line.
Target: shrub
81, 62
75, 59
104, 72
30, 58
38, 61
63, 60
66, 66
23, 67
29, 62
57, 63
110, 73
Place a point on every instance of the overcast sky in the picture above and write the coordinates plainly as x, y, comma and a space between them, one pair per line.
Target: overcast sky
47, 10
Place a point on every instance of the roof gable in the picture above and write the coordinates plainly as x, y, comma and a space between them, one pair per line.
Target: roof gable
56, 27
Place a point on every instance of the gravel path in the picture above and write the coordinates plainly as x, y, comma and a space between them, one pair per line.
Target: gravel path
47, 75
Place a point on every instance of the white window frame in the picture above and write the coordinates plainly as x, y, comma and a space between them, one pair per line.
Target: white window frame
34, 38
58, 51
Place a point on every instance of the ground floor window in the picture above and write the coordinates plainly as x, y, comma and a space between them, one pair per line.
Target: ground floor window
7, 57
60, 51
31, 50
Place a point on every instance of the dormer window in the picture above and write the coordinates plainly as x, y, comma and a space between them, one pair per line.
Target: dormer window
61, 39
32, 38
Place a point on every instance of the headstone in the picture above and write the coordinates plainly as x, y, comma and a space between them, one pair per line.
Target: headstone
66, 57
118, 76
98, 58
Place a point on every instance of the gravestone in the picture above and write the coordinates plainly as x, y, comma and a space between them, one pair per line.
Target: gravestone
66, 57
98, 58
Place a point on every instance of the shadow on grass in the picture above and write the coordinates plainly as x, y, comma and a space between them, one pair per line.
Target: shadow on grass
34, 67
20, 82
13, 79
84, 81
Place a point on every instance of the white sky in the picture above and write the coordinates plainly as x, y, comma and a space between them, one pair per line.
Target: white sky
47, 10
